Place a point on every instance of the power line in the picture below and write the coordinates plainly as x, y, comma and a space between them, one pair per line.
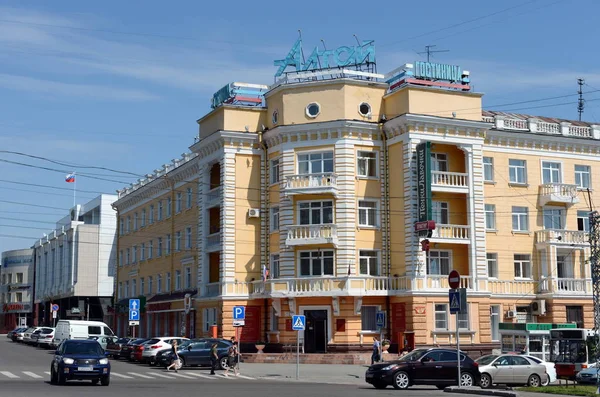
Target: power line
33, 205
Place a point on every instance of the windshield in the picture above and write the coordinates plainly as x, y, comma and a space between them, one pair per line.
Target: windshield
486, 360
569, 351
413, 356
83, 348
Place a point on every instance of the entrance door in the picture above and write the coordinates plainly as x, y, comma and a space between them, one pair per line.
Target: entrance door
315, 334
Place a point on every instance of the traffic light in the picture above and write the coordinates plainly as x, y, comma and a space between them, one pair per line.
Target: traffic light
425, 245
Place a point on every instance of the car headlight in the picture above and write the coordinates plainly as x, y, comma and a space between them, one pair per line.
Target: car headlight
389, 367
103, 361
68, 361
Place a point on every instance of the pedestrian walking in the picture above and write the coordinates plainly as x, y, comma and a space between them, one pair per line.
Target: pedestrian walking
176, 361
214, 358
232, 355
376, 356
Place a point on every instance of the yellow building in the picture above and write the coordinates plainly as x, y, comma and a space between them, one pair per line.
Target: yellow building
157, 263
315, 180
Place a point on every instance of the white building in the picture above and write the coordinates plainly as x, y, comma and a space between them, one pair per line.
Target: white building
16, 289
75, 263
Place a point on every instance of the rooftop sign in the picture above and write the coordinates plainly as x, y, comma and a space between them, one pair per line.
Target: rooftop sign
240, 94
437, 71
344, 56
437, 75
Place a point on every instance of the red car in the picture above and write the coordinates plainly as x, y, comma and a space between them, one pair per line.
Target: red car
136, 353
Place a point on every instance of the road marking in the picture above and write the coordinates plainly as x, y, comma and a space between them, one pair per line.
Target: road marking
47, 373
182, 376
32, 375
120, 376
245, 377
9, 374
140, 375
160, 375
201, 375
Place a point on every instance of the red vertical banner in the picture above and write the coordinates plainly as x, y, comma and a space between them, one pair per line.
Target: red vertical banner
398, 319
250, 332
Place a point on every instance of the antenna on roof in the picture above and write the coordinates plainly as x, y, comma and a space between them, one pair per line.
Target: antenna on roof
301, 49
581, 101
430, 52
357, 41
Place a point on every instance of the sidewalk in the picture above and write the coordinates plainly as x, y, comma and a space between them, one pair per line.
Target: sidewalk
312, 373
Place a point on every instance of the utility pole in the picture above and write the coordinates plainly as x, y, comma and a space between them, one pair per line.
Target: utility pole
430, 52
594, 241
581, 101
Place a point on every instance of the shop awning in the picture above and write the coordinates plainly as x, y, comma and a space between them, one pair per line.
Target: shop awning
172, 296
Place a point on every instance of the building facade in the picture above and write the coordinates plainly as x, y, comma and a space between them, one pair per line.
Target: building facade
74, 264
158, 221
16, 289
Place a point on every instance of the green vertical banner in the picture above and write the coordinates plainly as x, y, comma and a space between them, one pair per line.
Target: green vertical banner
424, 181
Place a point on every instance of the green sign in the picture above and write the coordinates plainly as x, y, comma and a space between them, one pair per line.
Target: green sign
534, 326
424, 181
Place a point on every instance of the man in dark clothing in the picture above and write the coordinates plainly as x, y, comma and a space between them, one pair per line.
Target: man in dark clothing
214, 358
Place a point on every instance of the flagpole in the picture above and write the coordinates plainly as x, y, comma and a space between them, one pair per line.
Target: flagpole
74, 189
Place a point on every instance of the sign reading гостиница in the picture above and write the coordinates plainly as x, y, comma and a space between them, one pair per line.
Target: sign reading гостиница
437, 71
323, 59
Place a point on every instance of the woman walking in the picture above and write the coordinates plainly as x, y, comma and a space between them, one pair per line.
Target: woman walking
232, 355
176, 362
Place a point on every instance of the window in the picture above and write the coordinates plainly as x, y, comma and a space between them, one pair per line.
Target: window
150, 249
150, 286
575, 315
275, 117
134, 254
178, 202
142, 286
488, 169
151, 215
143, 252
582, 176
316, 212
275, 171
495, 322
209, 318
188, 237
135, 221
177, 241
490, 216
441, 316
583, 221
520, 219
274, 272
160, 210
274, 320
369, 262
120, 294
128, 229
169, 206
366, 164
133, 287
440, 212
438, 263
439, 162
121, 258
313, 109
367, 213
368, 318
188, 277
550, 172
517, 171
189, 198
463, 318
127, 256
127, 289
168, 282
553, 218
121, 226
159, 284
18, 297
274, 219
316, 263
168, 245
177, 280
522, 266
159, 247
492, 264
364, 109
315, 163
144, 217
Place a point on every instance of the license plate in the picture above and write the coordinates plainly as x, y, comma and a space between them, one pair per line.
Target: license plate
85, 369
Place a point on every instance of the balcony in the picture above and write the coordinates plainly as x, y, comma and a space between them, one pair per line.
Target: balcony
213, 197
559, 237
450, 234
213, 242
512, 287
325, 183
432, 282
453, 182
566, 286
312, 234
558, 193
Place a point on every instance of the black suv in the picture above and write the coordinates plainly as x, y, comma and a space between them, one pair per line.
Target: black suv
436, 367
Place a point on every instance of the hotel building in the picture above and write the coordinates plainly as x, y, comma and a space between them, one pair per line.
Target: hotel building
309, 192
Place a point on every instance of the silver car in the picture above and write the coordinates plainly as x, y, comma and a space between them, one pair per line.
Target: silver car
509, 369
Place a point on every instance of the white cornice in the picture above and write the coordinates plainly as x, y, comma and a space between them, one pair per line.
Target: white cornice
424, 123
221, 139
349, 81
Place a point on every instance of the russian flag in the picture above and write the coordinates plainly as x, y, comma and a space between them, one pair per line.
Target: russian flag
70, 178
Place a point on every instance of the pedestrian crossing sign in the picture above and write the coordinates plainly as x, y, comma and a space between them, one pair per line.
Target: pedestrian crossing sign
298, 323
454, 297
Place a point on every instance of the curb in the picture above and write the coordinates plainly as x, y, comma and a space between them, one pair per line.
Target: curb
481, 392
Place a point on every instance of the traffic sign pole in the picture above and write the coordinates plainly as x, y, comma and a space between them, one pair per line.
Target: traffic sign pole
458, 348
297, 355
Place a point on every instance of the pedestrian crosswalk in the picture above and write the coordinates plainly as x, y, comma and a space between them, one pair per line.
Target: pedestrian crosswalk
140, 376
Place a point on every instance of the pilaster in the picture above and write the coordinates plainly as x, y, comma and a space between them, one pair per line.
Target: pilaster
345, 207
287, 262
228, 212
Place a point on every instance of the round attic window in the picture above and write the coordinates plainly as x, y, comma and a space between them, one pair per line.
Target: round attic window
313, 109
275, 117
364, 109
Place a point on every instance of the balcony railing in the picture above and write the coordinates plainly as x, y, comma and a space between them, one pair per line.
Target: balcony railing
440, 282
558, 193
311, 184
451, 232
558, 236
213, 197
213, 242
449, 181
566, 286
312, 234
512, 287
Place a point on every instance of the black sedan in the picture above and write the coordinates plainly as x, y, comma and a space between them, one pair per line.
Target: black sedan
114, 347
164, 358
127, 349
197, 353
437, 367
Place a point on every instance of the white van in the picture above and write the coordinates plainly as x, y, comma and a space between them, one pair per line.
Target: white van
78, 329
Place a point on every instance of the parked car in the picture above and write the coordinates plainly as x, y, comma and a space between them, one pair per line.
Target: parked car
27, 334
42, 336
588, 376
509, 369
154, 345
550, 369
10, 334
79, 329
18, 335
164, 358
103, 340
437, 367
198, 352
80, 360
114, 348
127, 350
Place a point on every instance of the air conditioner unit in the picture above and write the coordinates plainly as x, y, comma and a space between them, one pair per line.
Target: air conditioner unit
253, 213
538, 308
511, 314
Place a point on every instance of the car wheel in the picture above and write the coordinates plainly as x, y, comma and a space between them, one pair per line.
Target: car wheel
401, 380
52, 376
440, 387
105, 381
547, 382
61, 378
379, 385
466, 379
486, 381
95, 381
224, 362
534, 381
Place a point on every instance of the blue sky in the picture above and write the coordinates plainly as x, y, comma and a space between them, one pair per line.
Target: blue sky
120, 84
